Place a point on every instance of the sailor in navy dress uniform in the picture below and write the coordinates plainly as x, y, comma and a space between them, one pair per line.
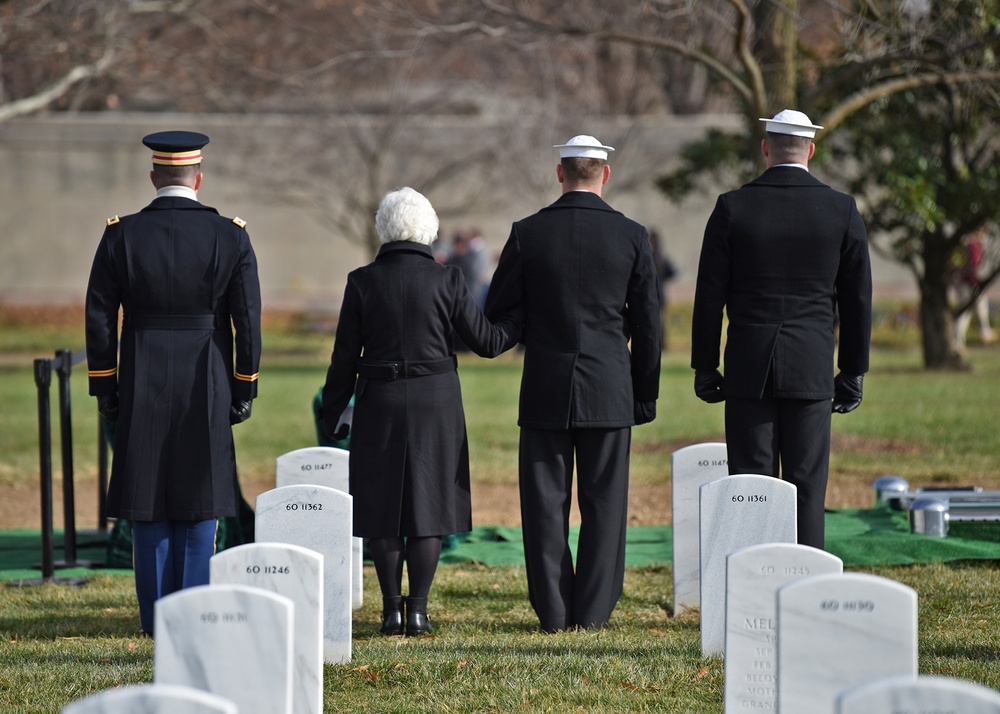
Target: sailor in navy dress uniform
584, 274
782, 257
176, 380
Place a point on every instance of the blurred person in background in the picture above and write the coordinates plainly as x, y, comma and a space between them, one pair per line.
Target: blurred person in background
966, 277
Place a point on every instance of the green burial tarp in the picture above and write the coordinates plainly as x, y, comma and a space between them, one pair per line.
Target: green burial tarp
877, 536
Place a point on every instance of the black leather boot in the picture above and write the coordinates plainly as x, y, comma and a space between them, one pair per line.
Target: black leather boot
392, 615
417, 623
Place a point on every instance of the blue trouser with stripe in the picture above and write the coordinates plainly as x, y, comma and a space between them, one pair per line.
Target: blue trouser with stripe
169, 556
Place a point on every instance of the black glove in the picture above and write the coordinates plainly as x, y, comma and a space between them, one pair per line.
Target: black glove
239, 411
643, 412
708, 385
107, 407
342, 432
847, 392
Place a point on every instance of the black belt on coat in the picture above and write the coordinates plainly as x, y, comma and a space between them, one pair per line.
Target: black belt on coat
149, 321
405, 369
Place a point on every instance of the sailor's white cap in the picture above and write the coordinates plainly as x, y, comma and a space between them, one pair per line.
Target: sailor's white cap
584, 147
789, 121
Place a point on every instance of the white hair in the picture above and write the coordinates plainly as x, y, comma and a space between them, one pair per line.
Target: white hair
406, 214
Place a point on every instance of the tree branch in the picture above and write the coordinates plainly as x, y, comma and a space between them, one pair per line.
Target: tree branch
711, 63
43, 98
862, 98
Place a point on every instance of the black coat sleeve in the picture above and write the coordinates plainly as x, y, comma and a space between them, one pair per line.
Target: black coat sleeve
104, 296
244, 307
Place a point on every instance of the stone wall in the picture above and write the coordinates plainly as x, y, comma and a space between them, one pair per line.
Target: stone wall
65, 174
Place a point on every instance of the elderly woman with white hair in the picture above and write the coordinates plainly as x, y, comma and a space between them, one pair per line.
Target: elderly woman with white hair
409, 461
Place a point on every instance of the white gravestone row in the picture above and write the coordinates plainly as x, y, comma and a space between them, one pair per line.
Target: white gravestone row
736, 512
258, 635
324, 466
318, 518
231, 640
151, 699
798, 634
753, 576
296, 573
690, 467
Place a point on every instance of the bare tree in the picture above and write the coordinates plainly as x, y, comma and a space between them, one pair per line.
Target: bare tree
39, 62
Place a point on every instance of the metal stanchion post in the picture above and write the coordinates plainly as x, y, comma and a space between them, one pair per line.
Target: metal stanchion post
43, 379
63, 366
102, 478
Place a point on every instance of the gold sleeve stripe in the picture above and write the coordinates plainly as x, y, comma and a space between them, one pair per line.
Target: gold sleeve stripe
102, 372
246, 377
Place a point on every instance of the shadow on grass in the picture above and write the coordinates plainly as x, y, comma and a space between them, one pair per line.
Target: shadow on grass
57, 625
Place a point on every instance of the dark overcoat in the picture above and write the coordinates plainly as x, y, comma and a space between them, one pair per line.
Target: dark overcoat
586, 276
782, 288
184, 277
409, 462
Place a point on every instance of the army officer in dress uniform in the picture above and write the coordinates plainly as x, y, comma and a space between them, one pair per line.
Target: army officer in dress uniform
184, 277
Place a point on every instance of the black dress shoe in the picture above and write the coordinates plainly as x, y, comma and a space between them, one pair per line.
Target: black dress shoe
417, 623
392, 616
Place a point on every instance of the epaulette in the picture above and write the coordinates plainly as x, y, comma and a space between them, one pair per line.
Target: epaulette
113, 220
240, 222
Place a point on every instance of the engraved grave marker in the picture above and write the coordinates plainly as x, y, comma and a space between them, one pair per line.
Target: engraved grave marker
324, 466
690, 467
296, 573
839, 631
230, 640
753, 576
318, 518
736, 512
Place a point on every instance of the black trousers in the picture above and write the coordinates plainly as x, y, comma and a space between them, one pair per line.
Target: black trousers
789, 438
562, 597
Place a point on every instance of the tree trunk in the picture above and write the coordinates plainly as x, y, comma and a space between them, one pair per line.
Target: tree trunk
777, 38
937, 323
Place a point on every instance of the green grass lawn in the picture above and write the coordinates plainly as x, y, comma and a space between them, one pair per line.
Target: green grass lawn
60, 642
929, 427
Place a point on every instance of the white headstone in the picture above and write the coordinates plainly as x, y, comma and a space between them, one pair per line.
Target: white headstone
753, 576
296, 573
927, 694
230, 640
151, 699
691, 467
324, 466
318, 518
839, 631
736, 511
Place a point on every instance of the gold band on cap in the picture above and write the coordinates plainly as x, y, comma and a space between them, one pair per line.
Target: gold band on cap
178, 158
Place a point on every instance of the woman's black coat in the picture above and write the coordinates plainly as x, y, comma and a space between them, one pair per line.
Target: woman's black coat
409, 464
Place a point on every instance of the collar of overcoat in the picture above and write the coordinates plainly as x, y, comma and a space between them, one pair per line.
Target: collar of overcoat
404, 246
177, 203
787, 176
580, 199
